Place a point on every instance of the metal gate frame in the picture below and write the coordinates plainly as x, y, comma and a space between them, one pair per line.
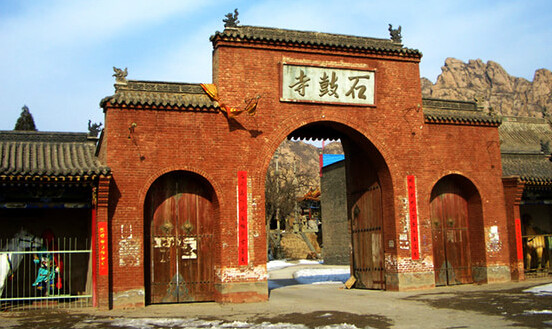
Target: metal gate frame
19, 292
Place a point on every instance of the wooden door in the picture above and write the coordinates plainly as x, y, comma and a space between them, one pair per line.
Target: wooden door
181, 241
451, 249
366, 233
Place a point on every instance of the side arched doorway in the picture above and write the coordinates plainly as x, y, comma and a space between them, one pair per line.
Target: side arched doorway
179, 242
455, 214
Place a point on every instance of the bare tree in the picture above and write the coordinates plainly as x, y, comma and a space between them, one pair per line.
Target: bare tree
281, 191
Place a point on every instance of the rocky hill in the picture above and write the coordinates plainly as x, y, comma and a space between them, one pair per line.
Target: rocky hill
333, 148
491, 86
306, 157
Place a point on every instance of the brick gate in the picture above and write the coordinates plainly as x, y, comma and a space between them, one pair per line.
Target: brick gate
270, 84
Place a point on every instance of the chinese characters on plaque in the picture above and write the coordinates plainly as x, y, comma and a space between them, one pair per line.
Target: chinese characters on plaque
242, 219
327, 85
413, 211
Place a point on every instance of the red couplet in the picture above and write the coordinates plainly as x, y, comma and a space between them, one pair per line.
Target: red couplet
519, 245
242, 218
102, 248
414, 243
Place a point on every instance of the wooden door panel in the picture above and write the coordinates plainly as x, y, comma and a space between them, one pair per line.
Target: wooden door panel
455, 209
182, 226
439, 259
163, 254
451, 250
196, 249
377, 261
457, 255
367, 240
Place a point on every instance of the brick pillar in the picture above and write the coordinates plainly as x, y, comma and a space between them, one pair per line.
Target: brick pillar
513, 191
102, 278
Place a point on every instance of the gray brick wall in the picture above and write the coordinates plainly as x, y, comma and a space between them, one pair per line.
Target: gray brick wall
336, 238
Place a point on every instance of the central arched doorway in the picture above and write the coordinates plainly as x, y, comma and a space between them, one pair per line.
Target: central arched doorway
180, 226
368, 199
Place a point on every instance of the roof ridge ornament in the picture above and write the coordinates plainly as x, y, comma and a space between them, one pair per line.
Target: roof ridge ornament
231, 20
120, 76
395, 34
94, 129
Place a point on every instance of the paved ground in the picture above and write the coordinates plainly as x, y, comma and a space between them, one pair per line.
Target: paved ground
468, 306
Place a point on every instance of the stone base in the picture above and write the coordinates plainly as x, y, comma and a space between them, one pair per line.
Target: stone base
242, 292
426, 280
491, 274
498, 273
129, 299
409, 281
517, 271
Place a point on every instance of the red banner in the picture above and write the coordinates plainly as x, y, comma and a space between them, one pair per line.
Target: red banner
519, 244
413, 211
102, 248
242, 218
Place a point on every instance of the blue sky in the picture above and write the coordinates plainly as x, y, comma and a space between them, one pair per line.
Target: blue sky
57, 56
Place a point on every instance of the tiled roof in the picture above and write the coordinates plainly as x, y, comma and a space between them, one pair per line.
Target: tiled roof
442, 111
535, 169
522, 153
306, 39
48, 155
524, 134
162, 94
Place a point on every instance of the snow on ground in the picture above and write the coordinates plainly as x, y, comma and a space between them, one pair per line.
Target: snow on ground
538, 312
315, 273
279, 264
157, 323
318, 275
543, 290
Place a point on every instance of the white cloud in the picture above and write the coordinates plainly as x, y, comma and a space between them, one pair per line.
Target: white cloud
54, 54
68, 22
57, 55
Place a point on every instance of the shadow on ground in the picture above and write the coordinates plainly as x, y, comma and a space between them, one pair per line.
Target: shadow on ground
61, 319
328, 318
523, 308
50, 319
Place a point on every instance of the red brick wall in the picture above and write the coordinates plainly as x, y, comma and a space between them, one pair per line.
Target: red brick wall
474, 153
513, 190
391, 137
